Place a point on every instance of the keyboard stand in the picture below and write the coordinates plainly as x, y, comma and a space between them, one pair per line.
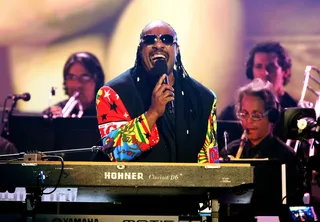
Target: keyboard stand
215, 205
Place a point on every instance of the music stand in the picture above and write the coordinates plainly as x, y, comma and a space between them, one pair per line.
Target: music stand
31, 132
72, 133
44, 134
266, 194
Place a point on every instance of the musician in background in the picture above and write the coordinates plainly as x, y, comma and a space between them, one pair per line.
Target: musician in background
257, 109
134, 115
270, 62
82, 73
6, 147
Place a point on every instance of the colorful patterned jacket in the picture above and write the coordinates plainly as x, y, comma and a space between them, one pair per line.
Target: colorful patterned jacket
123, 126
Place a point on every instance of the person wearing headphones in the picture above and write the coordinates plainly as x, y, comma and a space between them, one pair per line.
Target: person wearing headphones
258, 110
270, 62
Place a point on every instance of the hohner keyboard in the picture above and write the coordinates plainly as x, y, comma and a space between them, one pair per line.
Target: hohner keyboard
105, 174
120, 188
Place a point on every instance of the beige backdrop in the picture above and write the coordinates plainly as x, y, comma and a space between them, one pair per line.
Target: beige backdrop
214, 37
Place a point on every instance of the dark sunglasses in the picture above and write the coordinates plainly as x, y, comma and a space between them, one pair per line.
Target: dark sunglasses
255, 116
152, 39
81, 78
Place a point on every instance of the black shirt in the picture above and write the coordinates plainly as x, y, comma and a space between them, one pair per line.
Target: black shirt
6, 147
270, 147
265, 187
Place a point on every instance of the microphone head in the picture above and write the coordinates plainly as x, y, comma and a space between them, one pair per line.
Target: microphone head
160, 67
26, 96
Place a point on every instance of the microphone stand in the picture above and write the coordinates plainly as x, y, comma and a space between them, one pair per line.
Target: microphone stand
33, 195
92, 149
36, 155
5, 118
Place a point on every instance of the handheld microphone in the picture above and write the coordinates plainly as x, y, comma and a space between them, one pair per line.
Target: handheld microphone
25, 96
160, 68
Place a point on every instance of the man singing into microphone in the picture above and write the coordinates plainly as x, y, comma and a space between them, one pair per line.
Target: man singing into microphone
142, 117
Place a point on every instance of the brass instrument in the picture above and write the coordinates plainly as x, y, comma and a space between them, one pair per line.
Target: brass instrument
307, 104
302, 102
71, 104
243, 141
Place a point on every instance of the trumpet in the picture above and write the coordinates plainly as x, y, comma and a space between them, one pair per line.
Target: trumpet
307, 76
71, 104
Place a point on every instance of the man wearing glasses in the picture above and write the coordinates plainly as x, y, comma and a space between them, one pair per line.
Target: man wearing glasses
134, 119
270, 62
257, 108
82, 76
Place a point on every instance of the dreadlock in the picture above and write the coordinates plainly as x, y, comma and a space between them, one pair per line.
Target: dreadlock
137, 64
186, 80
